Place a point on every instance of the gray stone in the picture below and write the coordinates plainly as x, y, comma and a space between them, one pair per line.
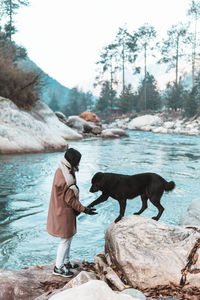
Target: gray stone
134, 293
150, 253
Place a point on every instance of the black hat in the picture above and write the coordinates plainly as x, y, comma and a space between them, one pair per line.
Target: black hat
73, 157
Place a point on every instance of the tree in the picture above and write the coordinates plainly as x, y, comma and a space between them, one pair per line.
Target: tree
9, 50
126, 45
172, 48
127, 100
86, 101
23, 88
108, 63
9, 9
153, 99
175, 95
107, 98
145, 36
54, 103
194, 13
190, 103
77, 102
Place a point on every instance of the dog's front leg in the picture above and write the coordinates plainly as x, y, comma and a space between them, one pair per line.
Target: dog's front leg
122, 204
101, 199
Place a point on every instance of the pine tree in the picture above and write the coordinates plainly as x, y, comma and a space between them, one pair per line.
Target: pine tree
127, 100
153, 99
9, 8
175, 95
145, 36
194, 13
190, 104
107, 98
172, 49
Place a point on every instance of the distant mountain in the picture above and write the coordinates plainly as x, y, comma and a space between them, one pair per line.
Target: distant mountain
54, 94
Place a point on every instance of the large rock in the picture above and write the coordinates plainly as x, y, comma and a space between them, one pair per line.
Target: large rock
27, 284
61, 117
192, 215
92, 290
139, 123
83, 126
81, 278
37, 130
114, 133
91, 117
150, 253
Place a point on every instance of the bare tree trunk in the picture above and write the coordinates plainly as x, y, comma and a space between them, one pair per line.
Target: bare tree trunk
145, 76
111, 84
123, 72
177, 57
10, 19
194, 52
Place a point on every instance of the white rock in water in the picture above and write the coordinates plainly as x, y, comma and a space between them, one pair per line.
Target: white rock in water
113, 133
145, 120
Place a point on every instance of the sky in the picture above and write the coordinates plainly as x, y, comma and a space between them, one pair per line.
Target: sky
65, 37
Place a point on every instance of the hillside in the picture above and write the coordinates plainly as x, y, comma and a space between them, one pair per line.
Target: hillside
52, 90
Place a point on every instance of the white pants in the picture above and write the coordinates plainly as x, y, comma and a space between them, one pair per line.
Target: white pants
63, 252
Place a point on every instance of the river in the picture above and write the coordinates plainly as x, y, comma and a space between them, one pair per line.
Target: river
25, 187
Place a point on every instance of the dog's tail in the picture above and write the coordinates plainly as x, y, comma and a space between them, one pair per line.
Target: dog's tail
169, 186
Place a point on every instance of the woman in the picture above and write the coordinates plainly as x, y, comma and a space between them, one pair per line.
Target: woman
63, 207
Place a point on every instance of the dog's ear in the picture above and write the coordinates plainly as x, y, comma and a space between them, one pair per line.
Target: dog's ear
97, 177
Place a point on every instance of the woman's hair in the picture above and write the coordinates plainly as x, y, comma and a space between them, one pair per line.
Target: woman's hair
73, 157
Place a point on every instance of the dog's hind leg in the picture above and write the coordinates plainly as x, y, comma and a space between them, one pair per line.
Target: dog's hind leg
156, 202
122, 204
144, 199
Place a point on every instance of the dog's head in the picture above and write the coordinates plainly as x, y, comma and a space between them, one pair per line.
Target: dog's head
97, 182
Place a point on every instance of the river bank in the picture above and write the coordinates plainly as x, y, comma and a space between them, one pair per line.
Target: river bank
165, 122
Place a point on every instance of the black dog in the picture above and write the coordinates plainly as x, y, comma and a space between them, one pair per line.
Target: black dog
122, 187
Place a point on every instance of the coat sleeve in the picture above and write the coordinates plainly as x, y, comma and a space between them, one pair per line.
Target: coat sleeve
72, 201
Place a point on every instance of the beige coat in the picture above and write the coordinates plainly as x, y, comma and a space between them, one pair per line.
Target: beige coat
61, 221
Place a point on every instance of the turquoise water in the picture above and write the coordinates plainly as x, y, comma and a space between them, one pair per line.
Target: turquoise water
25, 186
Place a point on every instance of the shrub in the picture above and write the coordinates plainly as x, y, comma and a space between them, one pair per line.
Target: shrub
20, 87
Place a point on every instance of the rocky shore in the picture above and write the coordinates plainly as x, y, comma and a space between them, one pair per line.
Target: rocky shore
142, 259
165, 122
42, 130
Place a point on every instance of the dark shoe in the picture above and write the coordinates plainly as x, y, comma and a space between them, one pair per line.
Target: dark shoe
70, 265
63, 271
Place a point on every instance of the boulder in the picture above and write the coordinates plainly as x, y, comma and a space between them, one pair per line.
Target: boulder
36, 130
114, 133
134, 293
92, 290
139, 122
151, 253
61, 117
91, 117
27, 284
192, 215
81, 278
77, 123
83, 126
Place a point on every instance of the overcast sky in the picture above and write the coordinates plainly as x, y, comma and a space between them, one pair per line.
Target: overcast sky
64, 37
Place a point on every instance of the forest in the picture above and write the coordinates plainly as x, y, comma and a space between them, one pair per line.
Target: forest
130, 52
